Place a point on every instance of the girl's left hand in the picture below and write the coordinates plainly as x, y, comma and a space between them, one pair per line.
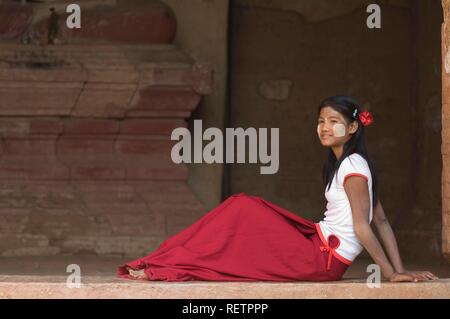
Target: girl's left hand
421, 275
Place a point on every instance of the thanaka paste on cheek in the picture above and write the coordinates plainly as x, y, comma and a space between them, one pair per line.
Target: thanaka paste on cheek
339, 130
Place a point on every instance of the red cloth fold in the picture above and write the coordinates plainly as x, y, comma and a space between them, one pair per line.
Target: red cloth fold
245, 238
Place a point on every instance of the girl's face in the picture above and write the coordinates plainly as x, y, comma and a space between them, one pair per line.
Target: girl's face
332, 128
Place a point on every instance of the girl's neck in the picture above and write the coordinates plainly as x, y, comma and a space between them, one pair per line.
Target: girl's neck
338, 150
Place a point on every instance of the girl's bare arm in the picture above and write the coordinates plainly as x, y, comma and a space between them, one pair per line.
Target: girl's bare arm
390, 244
358, 195
387, 237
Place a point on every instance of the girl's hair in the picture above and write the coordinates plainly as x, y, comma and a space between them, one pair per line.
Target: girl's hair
356, 144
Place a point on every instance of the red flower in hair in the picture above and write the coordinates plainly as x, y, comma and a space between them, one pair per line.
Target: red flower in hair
366, 118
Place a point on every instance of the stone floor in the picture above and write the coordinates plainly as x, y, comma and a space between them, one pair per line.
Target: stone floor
45, 277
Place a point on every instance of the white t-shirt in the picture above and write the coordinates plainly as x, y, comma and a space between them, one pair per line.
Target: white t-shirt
338, 217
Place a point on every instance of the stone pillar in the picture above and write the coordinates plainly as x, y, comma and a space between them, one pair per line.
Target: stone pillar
446, 130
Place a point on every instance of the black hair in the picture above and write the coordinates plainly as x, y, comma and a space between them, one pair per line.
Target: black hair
346, 106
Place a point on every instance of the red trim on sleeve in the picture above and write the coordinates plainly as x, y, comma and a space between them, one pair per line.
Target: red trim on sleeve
355, 174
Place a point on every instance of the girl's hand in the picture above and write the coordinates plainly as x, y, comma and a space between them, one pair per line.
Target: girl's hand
425, 275
414, 276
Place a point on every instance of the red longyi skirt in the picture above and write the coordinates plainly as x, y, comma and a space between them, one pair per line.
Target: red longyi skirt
245, 238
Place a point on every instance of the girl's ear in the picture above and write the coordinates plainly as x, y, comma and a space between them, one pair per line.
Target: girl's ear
353, 127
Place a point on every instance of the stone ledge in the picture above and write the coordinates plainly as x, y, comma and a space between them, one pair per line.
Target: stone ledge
109, 287
45, 277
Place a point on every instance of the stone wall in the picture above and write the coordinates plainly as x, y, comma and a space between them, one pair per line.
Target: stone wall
421, 223
85, 144
101, 21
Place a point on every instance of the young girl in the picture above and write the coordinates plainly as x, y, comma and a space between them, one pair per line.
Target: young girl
247, 238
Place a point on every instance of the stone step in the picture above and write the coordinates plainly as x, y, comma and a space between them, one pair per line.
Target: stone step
45, 277
166, 96
110, 288
109, 81
15, 127
126, 53
87, 47
94, 61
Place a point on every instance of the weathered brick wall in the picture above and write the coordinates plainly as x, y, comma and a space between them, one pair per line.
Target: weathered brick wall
85, 146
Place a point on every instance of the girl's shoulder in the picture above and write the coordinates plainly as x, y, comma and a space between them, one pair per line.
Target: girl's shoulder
354, 162
355, 157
